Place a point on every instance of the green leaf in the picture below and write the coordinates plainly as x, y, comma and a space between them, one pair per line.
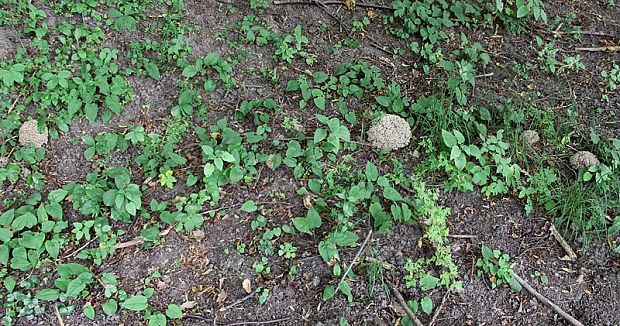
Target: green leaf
346, 289
329, 292
157, 319
428, 282
174, 311
486, 252
131, 208
319, 135
319, 101
89, 311
57, 195
448, 138
227, 157
110, 307
4, 254
9, 284
249, 206
135, 303
345, 238
455, 153
308, 223
113, 103
152, 69
208, 169
209, 85
7, 217
392, 194
522, 11
189, 71
5, 235
319, 76
26, 220
383, 101
427, 305
459, 136
48, 295
328, 250
372, 173
315, 185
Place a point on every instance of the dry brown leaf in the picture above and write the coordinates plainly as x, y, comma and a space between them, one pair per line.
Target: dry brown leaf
247, 286
221, 296
188, 305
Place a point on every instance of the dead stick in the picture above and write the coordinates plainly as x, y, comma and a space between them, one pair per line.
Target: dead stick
237, 302
139, 240
599, 49
75, 252
563, 243
403, 304
298, 2
546, 301
436, 314
355, 258
261, 322
462, 236
58, 316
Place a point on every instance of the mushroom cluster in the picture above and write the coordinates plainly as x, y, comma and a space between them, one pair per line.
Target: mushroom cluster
390, 132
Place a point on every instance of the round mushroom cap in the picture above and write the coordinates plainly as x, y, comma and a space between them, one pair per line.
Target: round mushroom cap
29, 134
390, 132
583, 160
530, 137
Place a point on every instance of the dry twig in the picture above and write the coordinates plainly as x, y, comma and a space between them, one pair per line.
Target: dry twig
436, 314
357, 255
58, 316
266, 322
546, 301
600, 49
569, 251
403, 304
357, 4
237, 302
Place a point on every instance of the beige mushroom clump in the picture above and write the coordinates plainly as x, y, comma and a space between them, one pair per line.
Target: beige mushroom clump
390, 132
29, 134
530, 137
583, 160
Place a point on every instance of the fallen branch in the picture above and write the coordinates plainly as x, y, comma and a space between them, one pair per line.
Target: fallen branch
358, 4
58, 316
558, 237
404, 305
436, 314
138, 240
600, 49
266, 322
237, 302
76, 251
357, 255
546, 301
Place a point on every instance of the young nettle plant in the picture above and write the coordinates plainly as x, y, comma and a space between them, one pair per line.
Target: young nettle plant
211, 61
31, 233
465, 173
498, 267
226, 159
124, 198
103, 144
289, 46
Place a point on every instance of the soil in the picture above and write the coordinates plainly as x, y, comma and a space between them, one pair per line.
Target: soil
203, 267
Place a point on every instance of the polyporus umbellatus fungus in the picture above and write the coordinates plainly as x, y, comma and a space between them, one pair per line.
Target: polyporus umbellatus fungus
29, 134
583, 160
390, 132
